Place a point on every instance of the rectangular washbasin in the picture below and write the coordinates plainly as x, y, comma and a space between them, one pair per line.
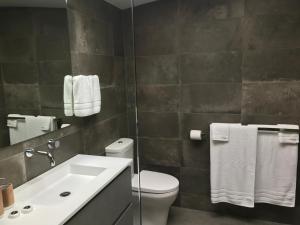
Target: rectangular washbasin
64, 190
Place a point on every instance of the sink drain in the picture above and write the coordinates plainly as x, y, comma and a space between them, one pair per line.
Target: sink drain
65, 194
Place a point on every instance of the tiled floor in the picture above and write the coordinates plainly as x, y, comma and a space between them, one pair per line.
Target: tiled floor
182, 216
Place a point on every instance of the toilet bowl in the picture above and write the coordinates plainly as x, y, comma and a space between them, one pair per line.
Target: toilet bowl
158, 191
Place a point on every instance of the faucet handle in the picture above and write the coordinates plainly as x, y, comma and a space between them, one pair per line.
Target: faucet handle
53, 144
29, 152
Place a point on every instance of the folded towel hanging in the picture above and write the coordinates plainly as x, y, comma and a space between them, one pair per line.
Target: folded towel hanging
68, 95
220, 132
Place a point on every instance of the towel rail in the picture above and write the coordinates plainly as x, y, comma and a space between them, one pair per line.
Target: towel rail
288, 130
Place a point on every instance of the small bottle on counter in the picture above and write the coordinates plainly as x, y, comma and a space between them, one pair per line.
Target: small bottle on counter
7, 192
1, 204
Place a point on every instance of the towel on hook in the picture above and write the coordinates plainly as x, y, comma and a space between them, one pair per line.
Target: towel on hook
233, 166
276, 167
86, 95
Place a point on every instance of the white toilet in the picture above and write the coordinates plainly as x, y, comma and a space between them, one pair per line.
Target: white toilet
158, 190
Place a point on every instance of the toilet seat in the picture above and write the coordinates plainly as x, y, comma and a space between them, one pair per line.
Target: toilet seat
154, 182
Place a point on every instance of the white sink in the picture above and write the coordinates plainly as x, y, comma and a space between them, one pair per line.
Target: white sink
80, 178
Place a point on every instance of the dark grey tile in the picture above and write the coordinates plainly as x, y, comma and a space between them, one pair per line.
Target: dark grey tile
264, 32
4, 136
13, 169
51, 96
158, 98
213, 9
157, 69
273, 7
53, 72
195, 180
160, 152
50, 21
270, 98
17, 49
210, 35
196, 201
103, 66
201, 121
21, 97
196, 154
211, 67
158, 125
15, 22
118, 73
53, 47
158, 39
2, 103
20, 73
271, 65
212, 97
89, 35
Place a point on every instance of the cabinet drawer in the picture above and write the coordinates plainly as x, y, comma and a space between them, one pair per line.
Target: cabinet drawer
108, 205
127, 217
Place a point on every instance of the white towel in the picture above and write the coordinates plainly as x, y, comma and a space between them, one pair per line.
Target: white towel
17, 133
233, 166
276, 170
220, 131
86, 95
68, 95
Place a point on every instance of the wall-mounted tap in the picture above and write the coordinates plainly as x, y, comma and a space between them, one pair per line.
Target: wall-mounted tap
52, 145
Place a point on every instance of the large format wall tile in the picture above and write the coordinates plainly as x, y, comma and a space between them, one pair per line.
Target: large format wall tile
53, 72
20, 73
158, 98
158, 124
160, 69
211, 67
160, 152
271, 65
271, 98
212, 97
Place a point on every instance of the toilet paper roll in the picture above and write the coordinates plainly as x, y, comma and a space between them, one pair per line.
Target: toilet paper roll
196, 135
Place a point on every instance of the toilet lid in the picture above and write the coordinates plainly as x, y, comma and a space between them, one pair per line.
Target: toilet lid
153, 182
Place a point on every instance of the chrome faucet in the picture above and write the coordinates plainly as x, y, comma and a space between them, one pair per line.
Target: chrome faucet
52, 145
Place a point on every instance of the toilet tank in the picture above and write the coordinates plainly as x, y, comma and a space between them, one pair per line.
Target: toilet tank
122, 148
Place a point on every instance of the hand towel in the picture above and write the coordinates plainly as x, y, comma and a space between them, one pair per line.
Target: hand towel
19, 133
68, 95
86, 95
276, 170
220, 131
233, 166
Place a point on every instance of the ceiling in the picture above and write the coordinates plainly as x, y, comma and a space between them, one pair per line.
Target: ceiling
122, 4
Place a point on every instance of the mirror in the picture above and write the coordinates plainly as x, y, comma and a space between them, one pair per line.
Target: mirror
34, 58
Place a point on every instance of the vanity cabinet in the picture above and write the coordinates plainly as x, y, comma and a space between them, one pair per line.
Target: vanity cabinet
112, 206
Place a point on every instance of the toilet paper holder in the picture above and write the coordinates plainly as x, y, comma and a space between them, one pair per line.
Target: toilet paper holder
196, 135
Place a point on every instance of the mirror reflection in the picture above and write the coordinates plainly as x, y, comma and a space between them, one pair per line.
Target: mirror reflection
34, 58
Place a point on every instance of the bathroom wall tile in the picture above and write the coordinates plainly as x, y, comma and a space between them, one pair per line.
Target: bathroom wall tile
278, 98
22, 97
53, 72
157, 69
100, 135
264, 32
201, 121
4, 134
158, 98
194, 180
271, 65
51, 96
156, 39
89, 35
158, 125
54, 47
160, 152
50, 22
19, 24
94, 64
213, 9
70, 146
20, 73
16, 49
212, 97
210, 35
195, 154
13, 168
272, 7
211, 67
